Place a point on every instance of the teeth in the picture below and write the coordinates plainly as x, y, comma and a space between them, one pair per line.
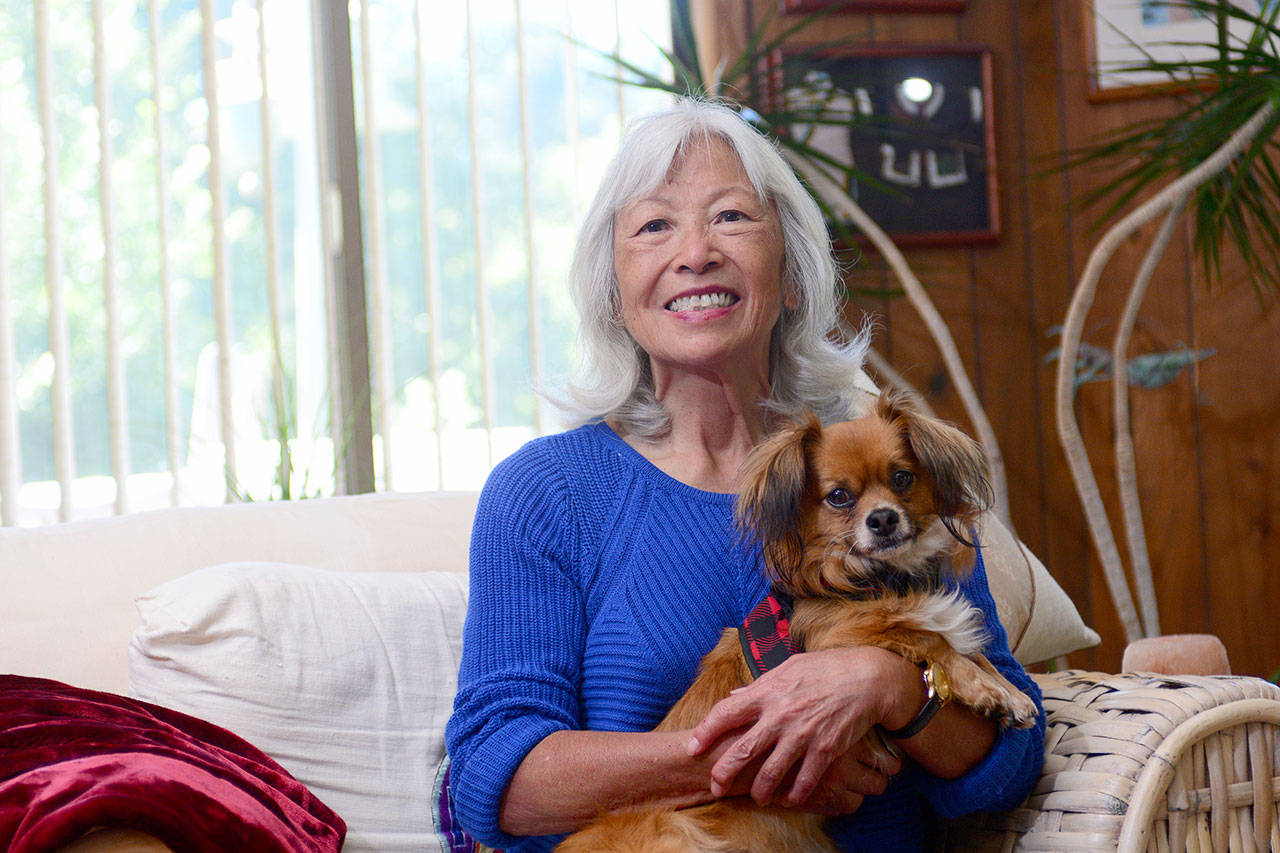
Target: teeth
702, 302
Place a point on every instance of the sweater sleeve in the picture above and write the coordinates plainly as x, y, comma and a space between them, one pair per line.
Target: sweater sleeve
522, 640
1005, 776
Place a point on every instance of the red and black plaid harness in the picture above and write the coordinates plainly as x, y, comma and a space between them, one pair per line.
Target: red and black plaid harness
766, 632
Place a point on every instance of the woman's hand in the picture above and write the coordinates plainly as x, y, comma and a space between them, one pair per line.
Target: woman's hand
858, 773
804, 715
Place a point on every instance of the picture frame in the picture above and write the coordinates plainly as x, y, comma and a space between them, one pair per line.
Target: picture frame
1123, 32
801, 7
929, 159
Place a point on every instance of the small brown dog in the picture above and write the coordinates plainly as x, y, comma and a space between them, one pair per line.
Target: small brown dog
858, 522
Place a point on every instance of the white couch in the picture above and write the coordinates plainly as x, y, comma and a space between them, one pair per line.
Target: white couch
327, 633
70, 608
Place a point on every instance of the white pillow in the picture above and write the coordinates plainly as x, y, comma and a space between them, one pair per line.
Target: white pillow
345, 678
1041, 621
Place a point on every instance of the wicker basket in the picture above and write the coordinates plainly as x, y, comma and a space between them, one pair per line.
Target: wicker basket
1145, 762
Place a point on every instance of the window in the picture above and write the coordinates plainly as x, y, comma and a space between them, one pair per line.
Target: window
173, 257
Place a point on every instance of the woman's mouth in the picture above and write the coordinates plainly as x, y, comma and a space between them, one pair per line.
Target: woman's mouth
702, 301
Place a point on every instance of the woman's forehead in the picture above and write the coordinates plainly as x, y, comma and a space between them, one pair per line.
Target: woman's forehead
702, 151
711, 157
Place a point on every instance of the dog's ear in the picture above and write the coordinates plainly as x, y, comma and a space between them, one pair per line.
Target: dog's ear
957, 462
772, 486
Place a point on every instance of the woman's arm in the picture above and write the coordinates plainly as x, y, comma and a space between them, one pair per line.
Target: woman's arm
953, 742
571, 777
518, 683
1010, 768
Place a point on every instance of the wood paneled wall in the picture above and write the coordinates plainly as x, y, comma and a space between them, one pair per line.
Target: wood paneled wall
1208, 444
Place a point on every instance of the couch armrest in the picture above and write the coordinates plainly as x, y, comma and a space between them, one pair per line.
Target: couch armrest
1136, 762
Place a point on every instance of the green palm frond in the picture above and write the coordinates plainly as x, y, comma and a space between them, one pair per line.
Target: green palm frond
1236, 77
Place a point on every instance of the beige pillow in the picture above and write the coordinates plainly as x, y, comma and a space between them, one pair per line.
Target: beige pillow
1040, 619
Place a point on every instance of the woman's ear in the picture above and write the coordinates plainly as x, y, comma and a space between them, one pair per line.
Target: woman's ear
615, 304
790, 290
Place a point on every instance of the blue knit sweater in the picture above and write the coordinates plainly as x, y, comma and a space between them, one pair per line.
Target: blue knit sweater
597, 584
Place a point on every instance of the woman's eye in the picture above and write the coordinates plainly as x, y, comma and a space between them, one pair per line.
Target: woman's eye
653, 226
733, 216
903, 480
839, 498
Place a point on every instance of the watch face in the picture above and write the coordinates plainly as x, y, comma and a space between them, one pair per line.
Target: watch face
937, 677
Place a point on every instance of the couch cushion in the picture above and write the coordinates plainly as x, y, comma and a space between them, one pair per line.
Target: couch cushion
72, 586
345, 678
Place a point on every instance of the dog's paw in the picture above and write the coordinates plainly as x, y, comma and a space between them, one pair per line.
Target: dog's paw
1020, 712
979, 686
994, 697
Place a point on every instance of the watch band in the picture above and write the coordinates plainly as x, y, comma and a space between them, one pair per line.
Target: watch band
931, 706
937, 694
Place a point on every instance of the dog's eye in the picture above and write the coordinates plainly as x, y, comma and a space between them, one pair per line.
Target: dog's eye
902, 480
840, 498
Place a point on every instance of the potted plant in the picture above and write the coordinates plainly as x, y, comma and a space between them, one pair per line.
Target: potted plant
1211, 158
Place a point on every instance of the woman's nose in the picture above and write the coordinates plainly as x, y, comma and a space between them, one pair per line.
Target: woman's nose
697, 252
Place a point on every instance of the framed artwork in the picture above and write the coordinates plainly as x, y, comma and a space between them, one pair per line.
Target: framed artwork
807, 6
920, 132
1124, 32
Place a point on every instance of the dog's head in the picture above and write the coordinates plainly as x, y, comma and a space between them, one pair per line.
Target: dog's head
832, 506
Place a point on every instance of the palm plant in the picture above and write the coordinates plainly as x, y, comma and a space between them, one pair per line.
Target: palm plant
1213, 159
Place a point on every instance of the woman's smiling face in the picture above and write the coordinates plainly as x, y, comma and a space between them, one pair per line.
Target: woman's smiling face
699, 262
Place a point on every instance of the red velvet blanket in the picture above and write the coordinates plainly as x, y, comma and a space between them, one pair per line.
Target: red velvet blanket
73, 759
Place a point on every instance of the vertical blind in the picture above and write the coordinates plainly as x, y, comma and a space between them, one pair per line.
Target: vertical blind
178, 223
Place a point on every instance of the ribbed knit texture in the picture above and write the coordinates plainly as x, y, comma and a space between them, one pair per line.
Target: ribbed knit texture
597, 584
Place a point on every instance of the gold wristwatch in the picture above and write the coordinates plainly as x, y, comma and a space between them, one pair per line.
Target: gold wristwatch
937, 693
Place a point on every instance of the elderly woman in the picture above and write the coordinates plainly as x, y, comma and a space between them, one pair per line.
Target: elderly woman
604, 563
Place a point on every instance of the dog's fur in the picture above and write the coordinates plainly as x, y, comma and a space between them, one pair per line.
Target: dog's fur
840, 510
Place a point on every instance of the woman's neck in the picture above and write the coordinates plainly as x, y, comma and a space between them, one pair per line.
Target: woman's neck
715, 422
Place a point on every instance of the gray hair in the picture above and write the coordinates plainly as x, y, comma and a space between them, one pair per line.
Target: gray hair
809, 368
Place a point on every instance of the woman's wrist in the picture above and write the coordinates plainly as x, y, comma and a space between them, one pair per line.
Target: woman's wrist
904, 690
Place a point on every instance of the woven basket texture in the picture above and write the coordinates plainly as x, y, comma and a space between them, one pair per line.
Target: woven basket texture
1140, 762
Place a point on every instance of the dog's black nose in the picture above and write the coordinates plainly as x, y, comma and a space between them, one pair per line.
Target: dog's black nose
883, 522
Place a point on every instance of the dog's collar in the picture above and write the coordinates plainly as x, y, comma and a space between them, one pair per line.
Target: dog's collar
766, 632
